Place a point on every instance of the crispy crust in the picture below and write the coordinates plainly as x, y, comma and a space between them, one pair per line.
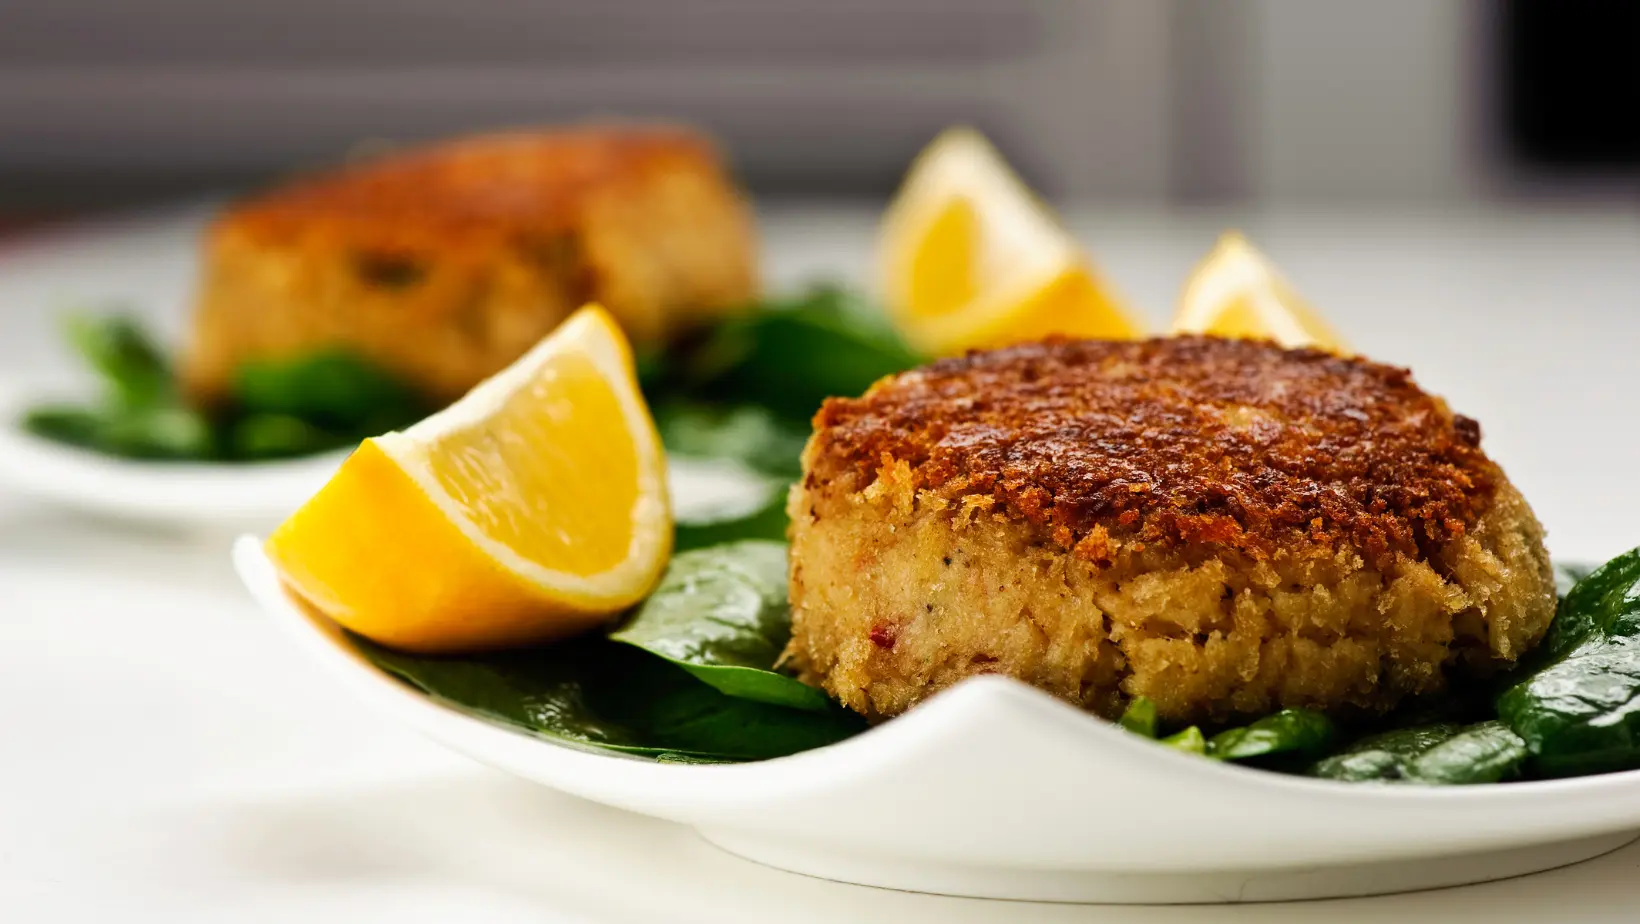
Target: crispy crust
445, 263
1192, 440
468, 192
1223, 527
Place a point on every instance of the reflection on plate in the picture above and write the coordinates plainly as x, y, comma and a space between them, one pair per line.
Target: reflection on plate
993, 789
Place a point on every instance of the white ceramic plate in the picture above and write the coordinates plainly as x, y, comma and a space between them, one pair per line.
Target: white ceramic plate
192, 494
994, 789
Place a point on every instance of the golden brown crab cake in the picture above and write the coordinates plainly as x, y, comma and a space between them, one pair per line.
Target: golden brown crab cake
1223, 526
445, 263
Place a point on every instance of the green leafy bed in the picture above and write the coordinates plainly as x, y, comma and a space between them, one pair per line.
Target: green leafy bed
691, 675
308, 404
747, 389
743, 390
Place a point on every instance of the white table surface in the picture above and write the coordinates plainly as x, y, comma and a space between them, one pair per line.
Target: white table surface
165, 756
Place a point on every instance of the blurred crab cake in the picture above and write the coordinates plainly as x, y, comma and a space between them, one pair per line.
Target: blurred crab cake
445, 263
1223, 526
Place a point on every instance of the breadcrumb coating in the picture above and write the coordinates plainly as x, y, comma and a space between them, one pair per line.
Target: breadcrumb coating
1225, 527
445, 263
1195, 439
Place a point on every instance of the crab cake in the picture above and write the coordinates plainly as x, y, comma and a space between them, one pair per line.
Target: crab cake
445, 263
1223, 526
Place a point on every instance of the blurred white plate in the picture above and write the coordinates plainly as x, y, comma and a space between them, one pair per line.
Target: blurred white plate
242, 496
251, 495
994, 789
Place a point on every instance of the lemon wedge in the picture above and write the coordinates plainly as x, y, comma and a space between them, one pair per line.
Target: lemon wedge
1237, 292
531, 509
971, 259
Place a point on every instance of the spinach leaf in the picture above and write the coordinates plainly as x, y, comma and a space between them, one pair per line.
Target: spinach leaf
768, 521
747, 388
310, 403
155, 432
76, 426
721, 613
1190, 741
1605, 602
1487, 752
1383, 756
1443, 754
332, 389
134, 371
1580, 715
792, 355
287, 407
594, 694
275, 436
746, 433
1140, 717
1290, 731
159, 432
1578, 708
141, 413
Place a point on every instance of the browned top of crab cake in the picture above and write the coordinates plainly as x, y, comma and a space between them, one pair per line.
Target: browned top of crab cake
1181, 439
448, 193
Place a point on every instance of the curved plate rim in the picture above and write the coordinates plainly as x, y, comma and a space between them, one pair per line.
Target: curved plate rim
1453, 819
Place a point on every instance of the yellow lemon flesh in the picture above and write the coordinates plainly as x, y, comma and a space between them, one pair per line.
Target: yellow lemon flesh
971, 259
533, 508
1237, 292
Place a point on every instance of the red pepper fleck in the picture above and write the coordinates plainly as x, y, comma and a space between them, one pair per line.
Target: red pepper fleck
883, 635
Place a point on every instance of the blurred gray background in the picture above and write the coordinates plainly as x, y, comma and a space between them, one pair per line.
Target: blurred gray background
107, 102
1451, 182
